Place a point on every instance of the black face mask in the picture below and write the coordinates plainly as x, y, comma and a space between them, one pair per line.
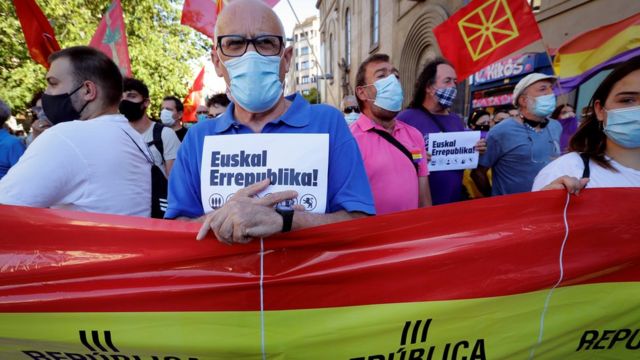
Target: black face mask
131, 110
535, 124
59, 108
483, 127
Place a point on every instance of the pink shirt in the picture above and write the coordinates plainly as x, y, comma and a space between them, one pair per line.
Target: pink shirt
392, 176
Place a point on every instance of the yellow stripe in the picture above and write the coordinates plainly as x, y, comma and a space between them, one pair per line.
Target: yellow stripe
506, 327
569, 65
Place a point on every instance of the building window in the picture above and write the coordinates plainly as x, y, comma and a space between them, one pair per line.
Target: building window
297, 67
304, 65
296, 37
375, 23
305, 79
347, 36
304, 51
297, 81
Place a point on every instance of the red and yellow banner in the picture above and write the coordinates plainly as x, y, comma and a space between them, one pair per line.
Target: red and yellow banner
497, 278
485, 31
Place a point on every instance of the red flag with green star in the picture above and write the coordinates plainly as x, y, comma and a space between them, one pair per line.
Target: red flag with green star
111, 38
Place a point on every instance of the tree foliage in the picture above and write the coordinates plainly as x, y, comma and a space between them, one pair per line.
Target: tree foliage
163, 52
312, 96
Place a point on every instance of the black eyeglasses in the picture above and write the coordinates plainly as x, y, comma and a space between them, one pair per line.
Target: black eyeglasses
236, 45
202, 112
350, 109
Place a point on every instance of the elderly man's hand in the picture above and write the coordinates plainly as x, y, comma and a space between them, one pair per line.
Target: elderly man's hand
244, 216
481, 146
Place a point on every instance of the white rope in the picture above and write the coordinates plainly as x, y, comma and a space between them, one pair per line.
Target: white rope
560, 278
262, 343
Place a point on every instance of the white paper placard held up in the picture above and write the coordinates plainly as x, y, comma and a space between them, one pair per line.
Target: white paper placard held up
297, 162
453, 150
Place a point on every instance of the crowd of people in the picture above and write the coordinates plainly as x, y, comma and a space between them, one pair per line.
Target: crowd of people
99, 149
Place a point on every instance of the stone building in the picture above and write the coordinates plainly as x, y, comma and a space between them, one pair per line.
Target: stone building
351, 30
304, 69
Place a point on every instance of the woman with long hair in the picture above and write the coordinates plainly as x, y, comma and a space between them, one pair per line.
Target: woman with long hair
606, 147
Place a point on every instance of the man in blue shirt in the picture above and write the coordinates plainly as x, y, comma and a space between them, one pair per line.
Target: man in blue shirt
518, 148
249, 53
11, 148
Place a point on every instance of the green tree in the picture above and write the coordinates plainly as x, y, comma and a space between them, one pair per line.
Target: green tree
163, 52
312, 96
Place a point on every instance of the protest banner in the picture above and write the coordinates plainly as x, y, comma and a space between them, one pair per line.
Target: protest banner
534, 277
453, 150
297, 162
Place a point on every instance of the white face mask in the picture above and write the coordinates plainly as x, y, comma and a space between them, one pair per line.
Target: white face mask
166, 116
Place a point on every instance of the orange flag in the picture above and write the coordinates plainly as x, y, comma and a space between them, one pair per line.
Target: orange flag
485, 31
194, 98
38, 33
202, 15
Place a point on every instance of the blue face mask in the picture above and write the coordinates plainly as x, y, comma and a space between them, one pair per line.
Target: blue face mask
446, 96
623, 127
255, 81
202, 117
544, 105
351, 118
389, 96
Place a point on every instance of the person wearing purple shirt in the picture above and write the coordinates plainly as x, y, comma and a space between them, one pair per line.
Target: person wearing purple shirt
567, 118
429, 112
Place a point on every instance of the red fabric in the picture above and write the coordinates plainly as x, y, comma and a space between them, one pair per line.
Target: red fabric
202, 15
462, 41
57, 261
111, 38
38, 33
194, 98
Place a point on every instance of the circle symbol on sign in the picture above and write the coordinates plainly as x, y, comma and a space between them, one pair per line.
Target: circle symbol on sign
309, 202
216, 201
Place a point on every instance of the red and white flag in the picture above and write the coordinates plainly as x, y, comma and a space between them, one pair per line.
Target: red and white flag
111, 37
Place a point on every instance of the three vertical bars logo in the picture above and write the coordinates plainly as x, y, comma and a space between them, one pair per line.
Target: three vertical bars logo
101, 347
414, 345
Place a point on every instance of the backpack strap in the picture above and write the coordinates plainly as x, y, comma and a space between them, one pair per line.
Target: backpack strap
585, 160
157, 139
138, 146
393, 141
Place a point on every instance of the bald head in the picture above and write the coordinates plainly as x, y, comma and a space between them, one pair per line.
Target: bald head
249, 18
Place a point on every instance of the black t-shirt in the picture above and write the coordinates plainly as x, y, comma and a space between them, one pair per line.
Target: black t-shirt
181, 133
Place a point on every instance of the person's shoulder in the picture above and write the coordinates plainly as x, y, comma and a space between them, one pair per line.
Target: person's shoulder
325, 110
410, 129
168, 134
410, 114
555, 125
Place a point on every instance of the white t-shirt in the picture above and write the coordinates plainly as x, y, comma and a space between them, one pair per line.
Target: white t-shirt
571, 165
170, 142
89, 165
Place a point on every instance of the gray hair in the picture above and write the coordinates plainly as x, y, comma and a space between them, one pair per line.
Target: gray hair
5, 112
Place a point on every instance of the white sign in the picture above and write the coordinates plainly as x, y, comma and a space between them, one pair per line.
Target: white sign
453, 150
297, 162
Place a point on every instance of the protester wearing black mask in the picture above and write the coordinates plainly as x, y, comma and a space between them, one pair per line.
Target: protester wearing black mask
134, 104
92, 160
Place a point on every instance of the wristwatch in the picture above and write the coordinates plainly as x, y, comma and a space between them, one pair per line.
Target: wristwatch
287, 217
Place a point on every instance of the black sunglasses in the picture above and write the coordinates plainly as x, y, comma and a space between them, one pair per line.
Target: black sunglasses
350, 109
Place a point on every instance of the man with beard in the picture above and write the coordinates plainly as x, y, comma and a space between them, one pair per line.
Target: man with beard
134, 105
96, 163
393, 152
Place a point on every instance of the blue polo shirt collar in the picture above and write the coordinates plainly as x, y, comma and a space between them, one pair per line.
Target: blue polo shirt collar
297, 115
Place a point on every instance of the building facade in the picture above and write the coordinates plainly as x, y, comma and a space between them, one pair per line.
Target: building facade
304, 68
351, 30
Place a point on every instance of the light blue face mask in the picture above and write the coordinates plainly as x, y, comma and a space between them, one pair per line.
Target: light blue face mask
351, 118
544, 105
623, 126
255, 81
202, 117
389, 96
